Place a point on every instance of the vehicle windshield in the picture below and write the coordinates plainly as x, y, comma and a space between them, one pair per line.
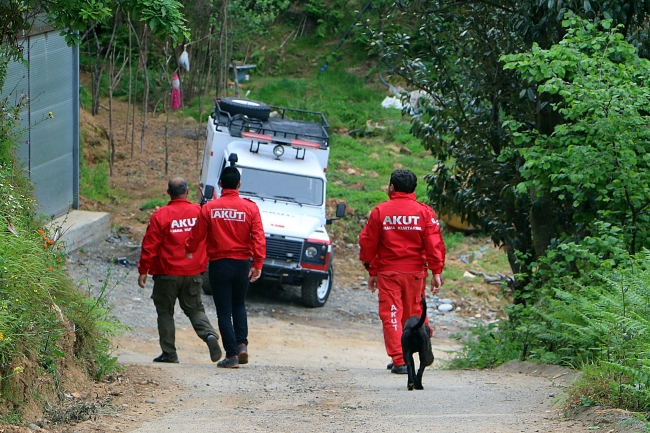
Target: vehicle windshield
281, 186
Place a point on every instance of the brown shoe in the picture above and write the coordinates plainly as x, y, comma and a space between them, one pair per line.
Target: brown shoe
243, 354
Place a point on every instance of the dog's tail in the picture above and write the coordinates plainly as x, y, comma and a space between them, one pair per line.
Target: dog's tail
424, 313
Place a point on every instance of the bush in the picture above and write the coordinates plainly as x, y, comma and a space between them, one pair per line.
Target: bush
596, 321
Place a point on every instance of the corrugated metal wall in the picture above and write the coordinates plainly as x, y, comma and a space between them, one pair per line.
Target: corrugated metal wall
49, 147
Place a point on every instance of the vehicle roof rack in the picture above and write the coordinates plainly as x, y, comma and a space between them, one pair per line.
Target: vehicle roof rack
285, 126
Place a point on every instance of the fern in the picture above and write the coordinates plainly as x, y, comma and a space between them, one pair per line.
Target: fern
598, 322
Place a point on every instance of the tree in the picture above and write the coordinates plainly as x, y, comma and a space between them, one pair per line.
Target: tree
597, 162
451, 50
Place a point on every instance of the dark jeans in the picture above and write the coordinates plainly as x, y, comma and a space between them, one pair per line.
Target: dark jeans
166, 289
229, 283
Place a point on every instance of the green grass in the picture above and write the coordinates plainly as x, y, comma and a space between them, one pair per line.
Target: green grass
452, 274
85, 97
94, 182
154, 203
453, 240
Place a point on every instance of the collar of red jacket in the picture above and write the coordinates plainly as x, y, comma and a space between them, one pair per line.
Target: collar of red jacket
179, 200
397, 194
229, 193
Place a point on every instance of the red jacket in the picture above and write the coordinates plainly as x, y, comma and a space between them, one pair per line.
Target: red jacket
233, 228
163, 246
402, 235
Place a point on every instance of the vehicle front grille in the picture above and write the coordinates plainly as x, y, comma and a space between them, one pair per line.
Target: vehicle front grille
283, 249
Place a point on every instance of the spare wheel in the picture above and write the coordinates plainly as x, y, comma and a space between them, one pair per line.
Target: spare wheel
248, 107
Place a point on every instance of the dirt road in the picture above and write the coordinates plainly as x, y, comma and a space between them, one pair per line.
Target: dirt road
310, 370
313, 378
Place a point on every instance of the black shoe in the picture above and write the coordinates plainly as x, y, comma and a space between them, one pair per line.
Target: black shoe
389, 366
232, 362
162, 358
213, 345
399, 370
243, 354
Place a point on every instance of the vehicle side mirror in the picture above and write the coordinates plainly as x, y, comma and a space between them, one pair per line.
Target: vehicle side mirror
208, 193
340, 213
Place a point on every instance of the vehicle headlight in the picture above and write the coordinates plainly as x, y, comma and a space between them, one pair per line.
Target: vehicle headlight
311, 252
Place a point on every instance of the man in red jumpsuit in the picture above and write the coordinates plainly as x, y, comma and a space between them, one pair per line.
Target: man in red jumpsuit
234, 232
175, 276
401, 239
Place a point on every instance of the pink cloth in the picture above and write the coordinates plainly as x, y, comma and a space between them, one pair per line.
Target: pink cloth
176, 99
176, 92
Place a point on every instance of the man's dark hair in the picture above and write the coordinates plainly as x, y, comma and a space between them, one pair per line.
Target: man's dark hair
177, 187
230, 177
404, 181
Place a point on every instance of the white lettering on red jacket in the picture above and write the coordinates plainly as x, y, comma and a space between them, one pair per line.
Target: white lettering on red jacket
182, 223
228, 214
405, 220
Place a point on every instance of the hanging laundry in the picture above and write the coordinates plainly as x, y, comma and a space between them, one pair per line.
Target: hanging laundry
184, 59
176, 92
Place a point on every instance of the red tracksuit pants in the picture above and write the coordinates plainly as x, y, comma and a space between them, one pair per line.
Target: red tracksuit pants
400, 297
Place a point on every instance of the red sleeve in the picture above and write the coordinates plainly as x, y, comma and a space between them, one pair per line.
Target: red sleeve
259, 239
369, 241
434, 246
199, 231
150, 243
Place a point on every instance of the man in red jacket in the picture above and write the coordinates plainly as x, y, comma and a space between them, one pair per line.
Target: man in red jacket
401, 239
175, 276
234, 231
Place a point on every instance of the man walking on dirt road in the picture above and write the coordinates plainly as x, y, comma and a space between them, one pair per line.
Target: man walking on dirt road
174, 275
401, 239
234, 232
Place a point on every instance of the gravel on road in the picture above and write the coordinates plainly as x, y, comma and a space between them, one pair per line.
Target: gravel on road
311, 370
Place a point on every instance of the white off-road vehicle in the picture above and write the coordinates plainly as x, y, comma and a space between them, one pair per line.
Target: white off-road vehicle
282, 155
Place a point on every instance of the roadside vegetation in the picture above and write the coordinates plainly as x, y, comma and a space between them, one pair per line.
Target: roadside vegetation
52, 333
531, 126
54, 336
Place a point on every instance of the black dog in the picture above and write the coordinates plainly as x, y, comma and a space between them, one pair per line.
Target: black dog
415, 338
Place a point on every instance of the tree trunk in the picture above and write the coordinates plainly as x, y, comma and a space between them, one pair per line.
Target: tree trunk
166, 106
135, 91
128, 105
145, 102
520, 243
97, 71
543, 213
111, 138
222, 77
113, 82
208, 76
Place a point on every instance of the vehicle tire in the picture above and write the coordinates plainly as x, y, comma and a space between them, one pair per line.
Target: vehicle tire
248, 107
206, 284
316, 292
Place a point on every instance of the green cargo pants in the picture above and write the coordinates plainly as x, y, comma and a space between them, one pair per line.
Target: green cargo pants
166, 289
